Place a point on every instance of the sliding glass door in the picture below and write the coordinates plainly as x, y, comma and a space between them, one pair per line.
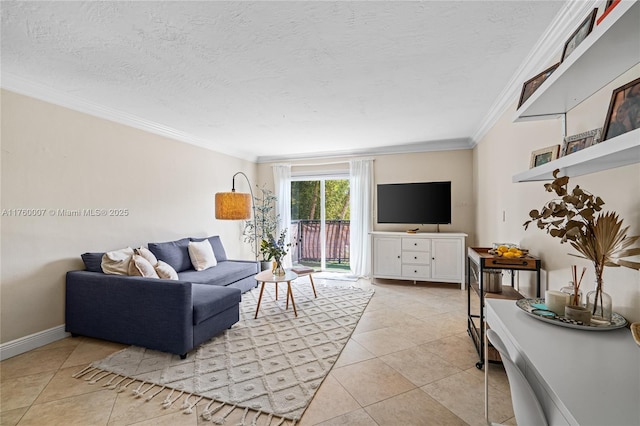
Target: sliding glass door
320, 222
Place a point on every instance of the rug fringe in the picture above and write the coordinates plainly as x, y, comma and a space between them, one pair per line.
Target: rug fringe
220, 420
82, 372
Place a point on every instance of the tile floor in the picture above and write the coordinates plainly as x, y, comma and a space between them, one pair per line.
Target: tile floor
409, 362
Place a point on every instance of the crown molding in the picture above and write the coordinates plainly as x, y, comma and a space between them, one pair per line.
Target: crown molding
20, 85
548, 46
439, 145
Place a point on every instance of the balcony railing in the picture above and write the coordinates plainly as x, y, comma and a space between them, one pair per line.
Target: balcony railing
306, 241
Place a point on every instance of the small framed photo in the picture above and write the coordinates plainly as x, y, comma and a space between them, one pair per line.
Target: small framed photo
624, 110
544, 155
579, 35
532, 85
581, 141
607, 9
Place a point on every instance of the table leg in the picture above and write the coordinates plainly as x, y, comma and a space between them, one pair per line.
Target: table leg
276, 290
259, 300
486, 375
290, 294
313, 286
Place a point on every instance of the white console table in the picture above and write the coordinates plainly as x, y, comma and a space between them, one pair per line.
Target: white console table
580, 377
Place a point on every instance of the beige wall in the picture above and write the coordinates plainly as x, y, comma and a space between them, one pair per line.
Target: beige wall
55, 158
506, 151
454, 166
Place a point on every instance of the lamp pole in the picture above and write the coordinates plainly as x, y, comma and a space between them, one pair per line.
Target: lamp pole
253, 207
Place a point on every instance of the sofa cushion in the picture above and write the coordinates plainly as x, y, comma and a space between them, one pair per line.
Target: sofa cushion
165, 271
201, 255
93, 261
216, 244
209, 300
175, 253
224, 273
116, 262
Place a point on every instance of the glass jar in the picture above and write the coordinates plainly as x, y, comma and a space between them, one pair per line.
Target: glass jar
600, 304
569, 289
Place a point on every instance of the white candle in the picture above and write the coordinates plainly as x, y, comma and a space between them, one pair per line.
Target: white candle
556, 301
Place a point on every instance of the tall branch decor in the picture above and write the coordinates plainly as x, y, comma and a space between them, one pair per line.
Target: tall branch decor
577, 217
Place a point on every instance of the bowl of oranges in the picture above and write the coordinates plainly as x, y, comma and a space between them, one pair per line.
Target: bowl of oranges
508, 250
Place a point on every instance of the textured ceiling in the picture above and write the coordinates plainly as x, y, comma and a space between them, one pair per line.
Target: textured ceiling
263, 79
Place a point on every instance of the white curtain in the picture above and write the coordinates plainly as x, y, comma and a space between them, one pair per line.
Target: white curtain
282, 190
361, 200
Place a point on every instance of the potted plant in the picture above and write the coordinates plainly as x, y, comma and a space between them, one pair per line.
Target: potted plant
275, 250
266, 222
598, 236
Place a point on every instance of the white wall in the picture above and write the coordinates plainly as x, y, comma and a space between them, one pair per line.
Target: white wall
506, 150
55, 158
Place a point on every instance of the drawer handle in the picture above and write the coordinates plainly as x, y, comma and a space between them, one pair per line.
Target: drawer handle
497, 262
415, 257
415, 244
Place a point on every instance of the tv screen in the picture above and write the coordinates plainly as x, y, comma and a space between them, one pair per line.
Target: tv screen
418, 203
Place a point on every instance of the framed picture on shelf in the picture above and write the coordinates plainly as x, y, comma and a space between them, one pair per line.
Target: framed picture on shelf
543, 156
579, 35
607, 9
532, 84
624, 110
580, 141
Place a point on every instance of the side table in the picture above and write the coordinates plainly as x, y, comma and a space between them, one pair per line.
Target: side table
268, 277
479, 259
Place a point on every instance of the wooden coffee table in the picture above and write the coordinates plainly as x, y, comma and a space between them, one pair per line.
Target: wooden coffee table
268, 277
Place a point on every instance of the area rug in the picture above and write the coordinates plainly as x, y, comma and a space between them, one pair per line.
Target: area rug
271, 365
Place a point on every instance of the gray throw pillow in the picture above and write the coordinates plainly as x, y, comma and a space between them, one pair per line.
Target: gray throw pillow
175, 253
92, 261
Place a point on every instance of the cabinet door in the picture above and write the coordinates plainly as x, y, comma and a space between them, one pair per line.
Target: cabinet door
446, 262
386, 257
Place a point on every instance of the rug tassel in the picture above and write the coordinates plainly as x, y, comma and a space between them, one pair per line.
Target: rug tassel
115, 385
220, 420
141, 394
82, 372
206, 414
150, 397
281, 422
93, 375
168, 402
110, 381
254, 422
124, 387
244, 417
94, 381
136, 392
185, 404
189, 409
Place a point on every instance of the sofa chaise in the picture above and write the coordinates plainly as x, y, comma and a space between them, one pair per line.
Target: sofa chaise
166, 315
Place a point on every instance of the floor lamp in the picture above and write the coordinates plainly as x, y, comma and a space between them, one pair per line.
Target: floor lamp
237, 206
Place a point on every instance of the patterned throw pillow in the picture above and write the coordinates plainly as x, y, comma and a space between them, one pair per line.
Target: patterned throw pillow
140, 267
165, 271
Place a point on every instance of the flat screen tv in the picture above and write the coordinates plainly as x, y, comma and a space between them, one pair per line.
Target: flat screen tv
417, 203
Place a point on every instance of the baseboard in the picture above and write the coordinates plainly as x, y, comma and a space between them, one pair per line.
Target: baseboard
33, 341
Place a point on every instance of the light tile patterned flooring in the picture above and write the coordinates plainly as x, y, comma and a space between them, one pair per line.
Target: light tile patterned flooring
409, 362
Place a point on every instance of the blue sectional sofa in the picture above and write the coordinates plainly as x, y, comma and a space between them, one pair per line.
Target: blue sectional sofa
165, 315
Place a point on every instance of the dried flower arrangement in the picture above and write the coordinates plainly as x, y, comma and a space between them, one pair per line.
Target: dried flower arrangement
598, 236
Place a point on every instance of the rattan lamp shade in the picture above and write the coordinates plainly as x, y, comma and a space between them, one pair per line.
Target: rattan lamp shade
233, 205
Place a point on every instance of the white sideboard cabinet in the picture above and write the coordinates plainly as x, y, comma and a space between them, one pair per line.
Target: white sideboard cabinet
436, 257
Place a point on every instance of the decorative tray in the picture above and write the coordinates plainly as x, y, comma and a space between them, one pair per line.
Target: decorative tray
617, 320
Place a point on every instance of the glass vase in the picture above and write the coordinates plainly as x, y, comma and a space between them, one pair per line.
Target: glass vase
600, 305
278, 269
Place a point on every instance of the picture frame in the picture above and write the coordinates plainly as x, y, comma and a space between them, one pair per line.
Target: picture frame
532, 84
611, 4
579, 35
580, 141
624, 110
544, 155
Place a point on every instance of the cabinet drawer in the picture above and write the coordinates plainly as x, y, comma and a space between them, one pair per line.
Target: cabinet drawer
418, 244
416, 257
416, 271
510, 263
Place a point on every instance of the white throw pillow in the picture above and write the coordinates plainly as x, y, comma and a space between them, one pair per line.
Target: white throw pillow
166, 271
201, 254
116, 262
140, 267
146, 253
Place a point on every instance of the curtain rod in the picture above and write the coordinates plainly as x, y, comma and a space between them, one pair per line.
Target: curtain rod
326, 163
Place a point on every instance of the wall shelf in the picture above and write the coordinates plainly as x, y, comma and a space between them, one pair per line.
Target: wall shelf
616, 152
612, 48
